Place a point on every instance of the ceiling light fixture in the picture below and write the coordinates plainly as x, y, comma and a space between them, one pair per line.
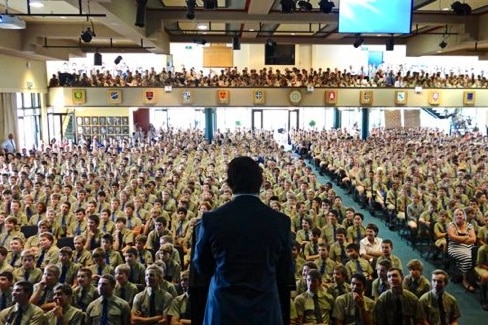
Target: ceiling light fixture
326, 6
202, 26
443, 44
36, 4
358, 42
87, 35
461, 9
305, 5
190, 9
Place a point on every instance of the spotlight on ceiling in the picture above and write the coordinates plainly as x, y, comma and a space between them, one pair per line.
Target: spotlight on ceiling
141, 13
287, 6
236, 43
97, 59
326, 6
190, 9
305, 5
461, 8
87, 35
390, 43
118, 59
270, 42
443, 44
358, 42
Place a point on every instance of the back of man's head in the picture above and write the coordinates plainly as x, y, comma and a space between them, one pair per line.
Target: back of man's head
244, 175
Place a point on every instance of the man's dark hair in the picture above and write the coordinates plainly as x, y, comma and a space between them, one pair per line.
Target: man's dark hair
360, 277
244, 175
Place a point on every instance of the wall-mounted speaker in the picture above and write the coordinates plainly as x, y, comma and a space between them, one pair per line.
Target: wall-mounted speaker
236, 43
97, 59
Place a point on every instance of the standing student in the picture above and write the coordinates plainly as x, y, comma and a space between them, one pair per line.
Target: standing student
244, 249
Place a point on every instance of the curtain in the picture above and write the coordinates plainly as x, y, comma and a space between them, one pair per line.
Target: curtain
8, 116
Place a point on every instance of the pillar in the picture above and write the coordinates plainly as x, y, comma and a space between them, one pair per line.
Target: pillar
209, 123
337, 118
364, 123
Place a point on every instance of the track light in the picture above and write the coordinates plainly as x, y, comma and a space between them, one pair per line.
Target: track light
270, 42
390, 43
236, 43
200, 41
443, 44
97, 59
190, 9
141, 13
87, 35
118, 59
305, 5
287, 6
358, 42
461, 8
326, 6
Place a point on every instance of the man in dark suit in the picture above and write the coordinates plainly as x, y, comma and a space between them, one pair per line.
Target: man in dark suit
244, 249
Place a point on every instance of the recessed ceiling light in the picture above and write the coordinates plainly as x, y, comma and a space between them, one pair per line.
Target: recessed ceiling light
446, 9
251, 29
202, 26
36, 4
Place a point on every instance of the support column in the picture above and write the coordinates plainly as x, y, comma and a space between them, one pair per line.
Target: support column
364, 123
209, 123
337, 118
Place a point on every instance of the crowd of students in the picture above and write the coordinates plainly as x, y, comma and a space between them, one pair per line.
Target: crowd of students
271, 77
113, 226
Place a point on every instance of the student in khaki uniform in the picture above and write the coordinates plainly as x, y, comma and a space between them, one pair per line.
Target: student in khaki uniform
48, 253
113, 257
152, 304
144, 256
16, 247
415, 282
180, 308
92, 234
123, 237
63, 313
81, 255
137, 270
10, 232
106, 226
85, 292
67, 267
347, 306
6, 281
123, 288
43, 295
4, 266
100, 267
22, 308
339, 286
28, 271
108, 306
357, 264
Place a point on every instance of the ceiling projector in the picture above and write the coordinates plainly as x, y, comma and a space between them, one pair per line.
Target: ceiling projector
11, 22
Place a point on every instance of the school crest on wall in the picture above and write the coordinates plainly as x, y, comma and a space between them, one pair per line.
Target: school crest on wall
223, 96
258, 97
331, 97
78, 96
186, 97
149, 96
114, 96
469, 98
434, 97
400, 97
366, 97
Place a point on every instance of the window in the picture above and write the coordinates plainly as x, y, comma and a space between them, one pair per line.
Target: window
29, 119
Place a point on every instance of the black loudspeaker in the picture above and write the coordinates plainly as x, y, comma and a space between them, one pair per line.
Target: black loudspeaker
390, 44
97, 59
141, 13
210, 4
118, 59
236, 43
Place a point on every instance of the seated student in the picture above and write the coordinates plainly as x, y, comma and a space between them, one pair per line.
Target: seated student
48, 252
43, 295
440, 231
304, 235
483, 230
92, 233
100, 266
329, 231
380, 284
6, 284
481, 269
78, 225
16, 247
311, 248
357, 264
315, 305
31, 315
370, 246
415, 282
173, 266
28, 271
338, 248
106, 225
180, 309
153, 238
123, 237
301, 284
325, 264
386, 248
349, 219
68, 269
152, 303
124, 288
136, 274
356, 232
298, 260
63, 311
10, 231
85, 292
113, 257
340, 285
144, 256
81, 255
4, 266
181, 225
33, 241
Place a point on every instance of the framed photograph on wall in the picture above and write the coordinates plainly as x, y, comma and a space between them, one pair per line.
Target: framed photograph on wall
469, 98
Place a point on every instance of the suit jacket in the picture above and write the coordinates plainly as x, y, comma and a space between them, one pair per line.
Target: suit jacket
244, 248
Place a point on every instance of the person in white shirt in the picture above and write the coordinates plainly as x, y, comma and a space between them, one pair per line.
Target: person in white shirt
9, 144
370, 246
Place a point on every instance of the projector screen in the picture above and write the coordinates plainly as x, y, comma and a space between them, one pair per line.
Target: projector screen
375, 16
